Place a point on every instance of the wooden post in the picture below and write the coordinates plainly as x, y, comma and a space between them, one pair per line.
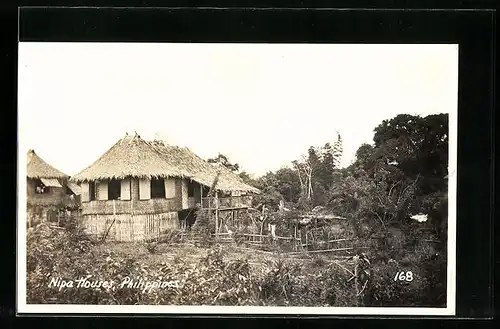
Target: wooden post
307, 247
201, 196
356, 283
216, 214
295, 238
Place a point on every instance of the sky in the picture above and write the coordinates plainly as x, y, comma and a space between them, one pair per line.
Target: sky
262, 105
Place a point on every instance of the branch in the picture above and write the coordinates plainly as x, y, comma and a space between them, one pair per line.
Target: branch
380, 200
380, 218
404, 191
393, 186
364, 286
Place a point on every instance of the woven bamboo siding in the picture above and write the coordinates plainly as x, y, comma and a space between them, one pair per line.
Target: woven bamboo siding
85, 192
125, 189
152, 206
178, 193
103, 190
144, 189
130, 228
134, 187
184, 194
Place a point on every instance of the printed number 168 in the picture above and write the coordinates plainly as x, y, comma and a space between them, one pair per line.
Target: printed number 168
404, 276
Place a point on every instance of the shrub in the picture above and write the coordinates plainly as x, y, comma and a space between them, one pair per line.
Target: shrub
204, 227
152, 246
217, 279
170, 236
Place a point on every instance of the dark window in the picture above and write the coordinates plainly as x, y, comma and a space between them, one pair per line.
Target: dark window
157, 188
40, 188
205, 191
114, 189
92, 191
191, 187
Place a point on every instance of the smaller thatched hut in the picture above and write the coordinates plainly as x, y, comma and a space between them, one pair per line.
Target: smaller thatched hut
47, 187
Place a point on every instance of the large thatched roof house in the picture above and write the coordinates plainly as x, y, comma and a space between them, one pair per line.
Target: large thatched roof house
46, 185
139, 188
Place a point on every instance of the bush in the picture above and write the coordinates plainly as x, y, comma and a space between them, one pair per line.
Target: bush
170, 236
215, 279
204, 227
152, 246
397, 251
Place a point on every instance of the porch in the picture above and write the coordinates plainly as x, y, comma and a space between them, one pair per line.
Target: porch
227, 203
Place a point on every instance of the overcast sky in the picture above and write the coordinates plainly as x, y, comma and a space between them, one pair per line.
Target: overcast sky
262, 105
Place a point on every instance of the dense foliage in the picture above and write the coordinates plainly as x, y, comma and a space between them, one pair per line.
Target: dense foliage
213, 279
401, 174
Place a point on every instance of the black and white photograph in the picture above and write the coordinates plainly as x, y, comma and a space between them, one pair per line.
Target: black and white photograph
249, 178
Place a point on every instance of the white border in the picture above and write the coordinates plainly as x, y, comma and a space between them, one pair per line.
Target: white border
24, 308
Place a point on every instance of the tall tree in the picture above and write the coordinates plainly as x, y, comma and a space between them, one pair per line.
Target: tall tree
417, 146
331, 157
328, 165
224, 160
338, 151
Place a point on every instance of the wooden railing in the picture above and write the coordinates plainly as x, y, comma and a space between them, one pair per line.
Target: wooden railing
227, 202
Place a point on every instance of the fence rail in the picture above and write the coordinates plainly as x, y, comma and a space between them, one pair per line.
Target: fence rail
243, 201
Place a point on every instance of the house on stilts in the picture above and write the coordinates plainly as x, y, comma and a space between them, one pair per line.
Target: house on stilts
138, 189
47, 189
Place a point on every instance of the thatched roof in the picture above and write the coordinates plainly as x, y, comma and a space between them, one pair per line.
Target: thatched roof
133, 156
75, 188
37, 168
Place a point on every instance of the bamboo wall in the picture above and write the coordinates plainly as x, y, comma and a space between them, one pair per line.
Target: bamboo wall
110, 207
138, 217
130, 228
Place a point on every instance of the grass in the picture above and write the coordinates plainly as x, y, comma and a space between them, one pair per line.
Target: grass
225, 274
191, 255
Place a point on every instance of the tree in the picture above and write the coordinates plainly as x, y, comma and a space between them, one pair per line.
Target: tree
297, 166
315, 169
246, 178
270, 195
224, 160
282, 185
288, 184
337, 151
364, 156
330, 161
418, 147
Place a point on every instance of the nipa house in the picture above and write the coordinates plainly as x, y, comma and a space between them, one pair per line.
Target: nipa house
139, 188
47, 188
